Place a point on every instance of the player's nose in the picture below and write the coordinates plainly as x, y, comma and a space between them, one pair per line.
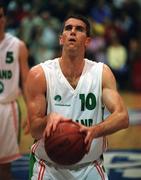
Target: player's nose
73, 30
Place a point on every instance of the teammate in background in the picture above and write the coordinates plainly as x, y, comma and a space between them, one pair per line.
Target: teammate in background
72, 86
13, 73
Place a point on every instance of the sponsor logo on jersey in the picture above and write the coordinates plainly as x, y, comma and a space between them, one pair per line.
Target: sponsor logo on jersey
58, 99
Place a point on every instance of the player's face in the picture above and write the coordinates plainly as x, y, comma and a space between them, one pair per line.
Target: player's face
74, 34
2, 20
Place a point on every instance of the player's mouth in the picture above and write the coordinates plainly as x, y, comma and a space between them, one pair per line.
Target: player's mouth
72, 40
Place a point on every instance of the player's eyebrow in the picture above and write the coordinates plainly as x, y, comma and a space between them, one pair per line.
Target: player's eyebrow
78, 27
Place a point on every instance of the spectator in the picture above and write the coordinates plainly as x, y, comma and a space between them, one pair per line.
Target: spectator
13, 73
117, 60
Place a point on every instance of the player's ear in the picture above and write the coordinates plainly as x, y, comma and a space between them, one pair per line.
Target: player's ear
88, 40
61, 40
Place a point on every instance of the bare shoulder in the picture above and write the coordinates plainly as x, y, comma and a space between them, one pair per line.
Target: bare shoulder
36, 79
110, 95
23, 48
36, 73
107, 71
108, 79
22, 44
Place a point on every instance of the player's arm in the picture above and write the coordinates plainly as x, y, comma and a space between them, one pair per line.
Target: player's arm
24, 68
36, 89
118, 119
41, 123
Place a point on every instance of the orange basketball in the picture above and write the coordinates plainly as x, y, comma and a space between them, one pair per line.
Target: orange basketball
66, 145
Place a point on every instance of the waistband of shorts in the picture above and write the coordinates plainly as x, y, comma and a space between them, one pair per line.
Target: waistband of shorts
10, 100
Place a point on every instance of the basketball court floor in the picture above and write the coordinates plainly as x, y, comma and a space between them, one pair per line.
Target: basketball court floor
123, 158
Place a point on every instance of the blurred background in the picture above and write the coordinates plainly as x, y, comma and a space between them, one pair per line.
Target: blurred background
116, 41
116, 27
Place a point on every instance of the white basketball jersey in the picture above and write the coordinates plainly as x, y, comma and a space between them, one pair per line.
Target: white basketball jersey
9, 68
82, 104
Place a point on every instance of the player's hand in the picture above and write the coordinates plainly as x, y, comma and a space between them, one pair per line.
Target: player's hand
26, 127
53, 119
90, 135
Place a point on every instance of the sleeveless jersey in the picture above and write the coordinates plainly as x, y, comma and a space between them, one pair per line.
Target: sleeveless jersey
9, 68
82, 104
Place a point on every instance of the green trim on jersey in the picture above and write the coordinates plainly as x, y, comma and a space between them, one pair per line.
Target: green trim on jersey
31, 165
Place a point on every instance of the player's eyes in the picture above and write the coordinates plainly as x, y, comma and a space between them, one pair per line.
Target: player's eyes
80, 29
68, 28
77, 28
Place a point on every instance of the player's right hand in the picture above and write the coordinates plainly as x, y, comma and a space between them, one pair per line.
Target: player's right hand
25, 126
53, 119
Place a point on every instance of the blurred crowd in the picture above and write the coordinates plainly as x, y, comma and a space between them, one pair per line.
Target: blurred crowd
116, 32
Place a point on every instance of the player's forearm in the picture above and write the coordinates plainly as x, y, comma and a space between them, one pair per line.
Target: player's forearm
37, 126
114, 122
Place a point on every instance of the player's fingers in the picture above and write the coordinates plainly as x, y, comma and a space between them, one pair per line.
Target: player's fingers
82, 129
25, 123
26, 127
88, 141
88, 138
49, 129
44, 134
54, 126
26, 130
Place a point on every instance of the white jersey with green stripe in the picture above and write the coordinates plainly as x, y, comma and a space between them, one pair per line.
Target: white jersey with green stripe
9, 68
82, 104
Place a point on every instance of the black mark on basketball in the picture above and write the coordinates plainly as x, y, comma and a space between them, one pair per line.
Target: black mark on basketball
64, 143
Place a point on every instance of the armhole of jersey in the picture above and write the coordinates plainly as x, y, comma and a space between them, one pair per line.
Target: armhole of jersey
103, 106
45, 74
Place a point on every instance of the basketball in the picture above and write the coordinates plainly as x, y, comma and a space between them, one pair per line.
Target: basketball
66, 145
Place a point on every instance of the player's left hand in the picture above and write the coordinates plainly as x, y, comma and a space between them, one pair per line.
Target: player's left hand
26, 127
90, 135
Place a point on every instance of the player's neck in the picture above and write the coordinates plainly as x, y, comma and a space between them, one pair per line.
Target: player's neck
72, 67
72, 70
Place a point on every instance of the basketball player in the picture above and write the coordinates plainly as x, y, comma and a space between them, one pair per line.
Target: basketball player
72, 86
13, 71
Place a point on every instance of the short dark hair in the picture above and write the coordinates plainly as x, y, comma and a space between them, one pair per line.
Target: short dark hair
3, 6
82, 18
